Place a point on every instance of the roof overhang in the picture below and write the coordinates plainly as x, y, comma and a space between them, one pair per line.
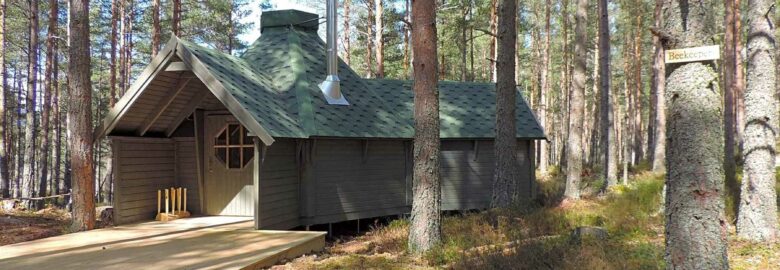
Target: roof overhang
161, 63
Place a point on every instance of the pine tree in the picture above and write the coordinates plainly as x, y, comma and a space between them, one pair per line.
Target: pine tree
608, 142
5, 179
30, 135
657, 87
757, 219
577, 108
425, 228
505, 175
695, 220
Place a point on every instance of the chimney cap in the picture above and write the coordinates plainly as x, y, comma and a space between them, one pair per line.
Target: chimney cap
288, 17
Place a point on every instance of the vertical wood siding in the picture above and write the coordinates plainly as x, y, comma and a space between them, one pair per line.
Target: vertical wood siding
467, 175
186, 172
353, 183
144, 165
279, 187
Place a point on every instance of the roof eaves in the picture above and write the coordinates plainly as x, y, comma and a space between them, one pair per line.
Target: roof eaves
219, 91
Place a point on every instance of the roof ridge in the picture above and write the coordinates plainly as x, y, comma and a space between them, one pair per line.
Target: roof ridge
299, 86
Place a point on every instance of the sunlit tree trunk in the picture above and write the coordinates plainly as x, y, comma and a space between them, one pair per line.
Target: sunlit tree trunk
5, 179
505, 147
155, 27
658, 89
176, 18
425, 228
545, 87
347, 32
696, 226
49, 82
607, 119
380, 43
30, 135
730, 94
757, 219
577, 108
80, 118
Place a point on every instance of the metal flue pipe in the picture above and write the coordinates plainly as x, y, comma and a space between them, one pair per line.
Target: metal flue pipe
331, 86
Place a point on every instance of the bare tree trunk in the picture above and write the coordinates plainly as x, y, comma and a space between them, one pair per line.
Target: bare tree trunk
380, 43
80, 118
57, 126
347, 32
639, 152
658, 88
577, 108
5, 180
493, 41
176, 18
121, 68
463, 46
155, 27
370, 40
757, 219
30, 136
112, 64
425, 231
545, 86
730, 95
505, 174
129, 20
607, 119
739, 78
51, 54
696, 227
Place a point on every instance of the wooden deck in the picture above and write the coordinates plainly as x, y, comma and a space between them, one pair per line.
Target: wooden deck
214, 242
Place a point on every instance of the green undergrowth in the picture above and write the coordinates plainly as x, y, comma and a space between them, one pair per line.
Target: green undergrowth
537, 234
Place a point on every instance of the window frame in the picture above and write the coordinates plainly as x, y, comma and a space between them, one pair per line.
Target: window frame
228, 145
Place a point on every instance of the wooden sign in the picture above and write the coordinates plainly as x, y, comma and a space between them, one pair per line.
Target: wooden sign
693, 54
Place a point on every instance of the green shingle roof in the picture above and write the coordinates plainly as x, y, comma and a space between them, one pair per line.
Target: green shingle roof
276, 81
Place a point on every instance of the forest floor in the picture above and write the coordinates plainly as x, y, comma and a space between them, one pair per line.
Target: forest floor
21, 226
538, 237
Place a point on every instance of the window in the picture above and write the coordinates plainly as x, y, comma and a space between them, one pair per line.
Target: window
233, 146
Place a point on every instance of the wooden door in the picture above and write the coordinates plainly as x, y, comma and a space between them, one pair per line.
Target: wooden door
229, 167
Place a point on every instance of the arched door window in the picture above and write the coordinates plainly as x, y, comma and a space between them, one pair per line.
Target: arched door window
233, 146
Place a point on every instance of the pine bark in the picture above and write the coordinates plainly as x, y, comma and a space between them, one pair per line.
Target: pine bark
493, 40
544, 89
638, 143
608, 141
505, 147
176, 18
155, 27
346, 33
730, 94
658, 89
49, 81
696, 227
30, 136
5, 180
757, 218
425, 231
577, 107
379, 41
112, 63
80, 118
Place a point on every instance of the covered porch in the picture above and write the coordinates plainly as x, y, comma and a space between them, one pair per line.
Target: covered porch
214, 242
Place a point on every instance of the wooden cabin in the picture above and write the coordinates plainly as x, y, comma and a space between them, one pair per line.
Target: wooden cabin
254, 136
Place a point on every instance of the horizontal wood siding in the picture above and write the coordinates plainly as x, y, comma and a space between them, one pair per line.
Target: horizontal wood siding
466, 174
144, 165
353, 183
279, 187
186, 172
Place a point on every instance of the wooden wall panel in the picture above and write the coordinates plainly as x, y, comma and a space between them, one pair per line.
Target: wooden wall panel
143, 165
186, 172
279, 187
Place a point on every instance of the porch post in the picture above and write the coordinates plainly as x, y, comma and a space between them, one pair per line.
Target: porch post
259, 156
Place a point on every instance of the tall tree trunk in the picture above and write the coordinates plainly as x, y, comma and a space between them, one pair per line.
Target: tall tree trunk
493, 41
425, 232
155, 27
577, 108
112, 64
30, 136
176, 18
130, 20
658, 88
121, 68
346, 34
51, 54
545, 86
370, 40
730, 95
637, 91
463, 46
607, 119
696, 227
739, 78
57, 123
757, 218
5, 180
380, 43
80, 118
505, 147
